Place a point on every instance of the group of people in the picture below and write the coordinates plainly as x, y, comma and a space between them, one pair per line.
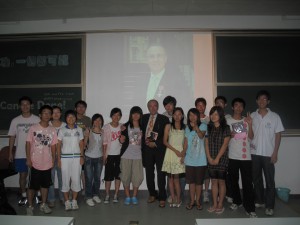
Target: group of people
191, 149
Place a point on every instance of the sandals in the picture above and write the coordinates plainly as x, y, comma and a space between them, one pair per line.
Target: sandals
211, 209
190, 206
220, 211
162, 204
199, 207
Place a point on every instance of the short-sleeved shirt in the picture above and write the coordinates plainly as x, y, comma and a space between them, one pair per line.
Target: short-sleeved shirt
239, 145
133, 150
264, 129
195, 154
70, 139
84, 123
111, 139
19, 128
216, 136
41, 139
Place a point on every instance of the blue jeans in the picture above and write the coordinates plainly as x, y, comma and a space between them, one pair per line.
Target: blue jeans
262, 165
92, 171
51, 192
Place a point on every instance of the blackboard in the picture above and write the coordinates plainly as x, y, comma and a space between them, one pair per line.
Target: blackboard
247, 64
47, 69
42, 61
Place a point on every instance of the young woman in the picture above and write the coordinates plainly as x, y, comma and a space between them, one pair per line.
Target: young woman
176, 143
195, 159
131, 155
93, 160
216, 142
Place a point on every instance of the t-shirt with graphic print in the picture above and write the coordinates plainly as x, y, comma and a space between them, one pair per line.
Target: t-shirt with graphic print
19, 128
41, 139
111, 139
134, 148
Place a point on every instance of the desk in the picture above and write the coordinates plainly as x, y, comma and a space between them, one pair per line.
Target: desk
250, 221
39, 220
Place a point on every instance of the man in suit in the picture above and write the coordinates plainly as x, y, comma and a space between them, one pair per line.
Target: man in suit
163, 81
153, 152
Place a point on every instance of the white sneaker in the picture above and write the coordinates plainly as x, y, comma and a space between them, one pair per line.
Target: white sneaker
45, 209
106, 200
90, 202
229, 199
115, 200
269, 212
205, 196
252, 215
29, 211
74, 205
97, 199
235, 206
68, 205
257, 205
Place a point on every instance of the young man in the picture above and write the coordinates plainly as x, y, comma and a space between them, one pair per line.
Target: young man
240, 157
40, 154
84, 122
267, 128
200, 105
17, 133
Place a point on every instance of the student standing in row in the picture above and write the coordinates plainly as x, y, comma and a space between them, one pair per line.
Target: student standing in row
131, 155
267, 128
70, 158
40, 153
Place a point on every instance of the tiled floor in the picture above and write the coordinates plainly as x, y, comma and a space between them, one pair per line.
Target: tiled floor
119, 214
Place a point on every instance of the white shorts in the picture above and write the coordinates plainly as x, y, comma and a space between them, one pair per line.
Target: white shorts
70, 172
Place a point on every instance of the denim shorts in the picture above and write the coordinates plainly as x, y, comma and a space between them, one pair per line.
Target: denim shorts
20, 166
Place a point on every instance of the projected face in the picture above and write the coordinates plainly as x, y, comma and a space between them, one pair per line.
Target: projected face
157, 59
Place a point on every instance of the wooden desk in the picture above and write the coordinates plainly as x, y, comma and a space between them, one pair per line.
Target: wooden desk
38, 220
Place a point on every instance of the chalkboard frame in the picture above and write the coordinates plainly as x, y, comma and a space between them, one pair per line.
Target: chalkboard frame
219, 86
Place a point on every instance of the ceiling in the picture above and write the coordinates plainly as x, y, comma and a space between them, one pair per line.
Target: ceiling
23, 10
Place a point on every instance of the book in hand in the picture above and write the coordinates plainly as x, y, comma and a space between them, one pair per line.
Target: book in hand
153, 136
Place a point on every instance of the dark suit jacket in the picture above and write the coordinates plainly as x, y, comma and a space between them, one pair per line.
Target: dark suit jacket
159, 127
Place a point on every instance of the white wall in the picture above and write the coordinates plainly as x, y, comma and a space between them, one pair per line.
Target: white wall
289, 155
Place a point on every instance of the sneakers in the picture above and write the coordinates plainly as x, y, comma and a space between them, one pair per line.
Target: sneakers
252, 215
269, 212
22, 201
115, 200
68, 205
258, 205
51, 204
97, 199
134, 200
235, 206
90, 202
107, 199
127, 201
205, 197
38, 199
29, 211
45, 209
229, 199
74, 205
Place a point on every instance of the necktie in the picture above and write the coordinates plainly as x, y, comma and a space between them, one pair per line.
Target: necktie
150, 126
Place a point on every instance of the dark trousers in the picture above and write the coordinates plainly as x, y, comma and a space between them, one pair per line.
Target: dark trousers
262, 165
151, 158
245, 167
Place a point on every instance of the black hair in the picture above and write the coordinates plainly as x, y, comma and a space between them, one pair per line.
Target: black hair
220, 97
182, 125
45, 107
263, 92
81, 102
56, 107
197, 113
240, 100
200, 100
70, 112
114, 111
96, 116
221, 114
25, 98
169, 99
133, 110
